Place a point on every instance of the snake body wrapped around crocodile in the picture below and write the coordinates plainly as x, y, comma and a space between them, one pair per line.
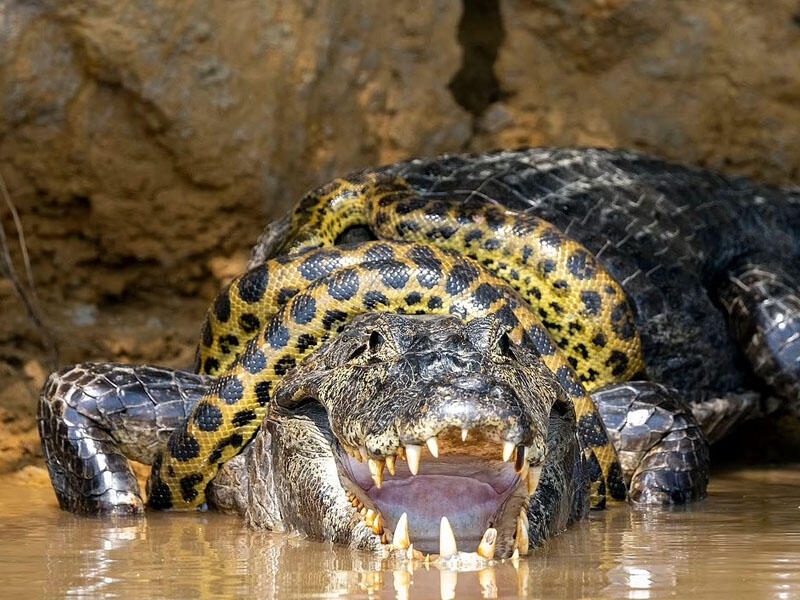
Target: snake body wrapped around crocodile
467, 304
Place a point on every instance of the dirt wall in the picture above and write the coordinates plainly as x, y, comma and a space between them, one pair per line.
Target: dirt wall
145, 144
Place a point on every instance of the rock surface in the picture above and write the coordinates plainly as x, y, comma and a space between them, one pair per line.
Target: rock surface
145, 143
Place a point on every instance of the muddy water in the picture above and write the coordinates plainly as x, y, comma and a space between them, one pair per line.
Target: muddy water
742, 542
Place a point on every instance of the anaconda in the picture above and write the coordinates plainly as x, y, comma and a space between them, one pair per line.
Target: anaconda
627, 266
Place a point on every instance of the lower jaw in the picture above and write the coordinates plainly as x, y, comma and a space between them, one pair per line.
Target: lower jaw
469, 505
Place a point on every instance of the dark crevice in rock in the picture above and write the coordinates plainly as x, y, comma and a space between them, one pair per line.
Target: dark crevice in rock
481, 33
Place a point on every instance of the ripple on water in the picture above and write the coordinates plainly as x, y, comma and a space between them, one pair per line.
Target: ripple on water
742, 542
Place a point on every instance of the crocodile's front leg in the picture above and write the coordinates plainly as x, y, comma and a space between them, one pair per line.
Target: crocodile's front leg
662, 450
94, 417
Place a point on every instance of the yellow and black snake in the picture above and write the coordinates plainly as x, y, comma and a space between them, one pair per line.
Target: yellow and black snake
433, 256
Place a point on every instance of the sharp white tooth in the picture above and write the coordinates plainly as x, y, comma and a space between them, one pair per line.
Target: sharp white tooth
376, 470
508, 450
390, 463
533, 479
521, 542
369, 517
464, 433
447, 584
400, 539
488, 582
447, 540
363, 452
412, 456
377, 524
433, 446
412, 554
488, 542
515, 556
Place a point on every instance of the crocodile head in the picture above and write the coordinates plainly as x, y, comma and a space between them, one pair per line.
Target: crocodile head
402, 420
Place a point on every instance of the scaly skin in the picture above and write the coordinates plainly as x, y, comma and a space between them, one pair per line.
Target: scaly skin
689, 248
584, 309
392, 276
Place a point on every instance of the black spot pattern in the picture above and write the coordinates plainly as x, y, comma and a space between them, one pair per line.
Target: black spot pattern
507, 317
595, 473
430, 267
486, 295
253, 284
254, 360
434, 302
262, 390
222, 307
495, 219
159, 495
211, 365
473, 235
226, 342
230, 389
249, 322
619, 363
206, 416
591, 430
492, 244
277, 335
332, 317
590, 376
616, 482
541, 340
343, 284
581, 265
320, 264
600, 340
571, 385
460, 278
545, 267
182, 446
444, 233
373, 299
410, 205
403, 228
581, 350
394, 274
551, 239
206, 335
592, 302
284, 365
286, 294
562, 285
243, 417
303, 309
306, 341
413, 298
188, 491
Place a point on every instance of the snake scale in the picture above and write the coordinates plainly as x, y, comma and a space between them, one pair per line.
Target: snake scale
433, 256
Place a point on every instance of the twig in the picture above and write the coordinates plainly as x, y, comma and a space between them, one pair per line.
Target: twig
28, 296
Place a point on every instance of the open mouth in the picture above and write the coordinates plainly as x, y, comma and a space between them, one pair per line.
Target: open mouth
464, 490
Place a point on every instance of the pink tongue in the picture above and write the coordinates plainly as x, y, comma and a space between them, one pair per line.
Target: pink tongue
467, 503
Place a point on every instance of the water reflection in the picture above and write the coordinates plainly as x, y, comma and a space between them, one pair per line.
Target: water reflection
742, 542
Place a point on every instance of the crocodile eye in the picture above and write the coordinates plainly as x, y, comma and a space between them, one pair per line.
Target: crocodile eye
376, 340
